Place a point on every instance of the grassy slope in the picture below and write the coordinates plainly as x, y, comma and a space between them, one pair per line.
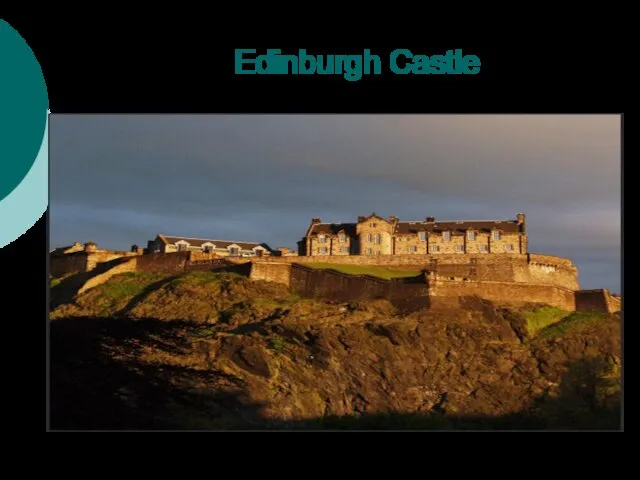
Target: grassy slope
380, 272
540, 317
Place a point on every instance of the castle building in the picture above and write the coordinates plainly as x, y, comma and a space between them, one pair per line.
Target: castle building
374, 235
223, 248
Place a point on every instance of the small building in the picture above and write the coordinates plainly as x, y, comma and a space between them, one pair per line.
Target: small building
223, 248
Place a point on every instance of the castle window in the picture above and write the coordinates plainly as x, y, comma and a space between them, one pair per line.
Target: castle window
459, 248
471, 235
323, 251
377, 239
373, 225
497, 235
435, 248
369, 237
344, 250
322, 239
483, 248
413, 249
446, 236
342, 238
422, 236
508, 248
369, 251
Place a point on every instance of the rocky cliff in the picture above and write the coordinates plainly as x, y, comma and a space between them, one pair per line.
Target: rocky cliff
217, 351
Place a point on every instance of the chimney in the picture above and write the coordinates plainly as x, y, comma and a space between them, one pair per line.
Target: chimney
361, 219
393, 219
430, 219
315, 220
90, 247
521, 218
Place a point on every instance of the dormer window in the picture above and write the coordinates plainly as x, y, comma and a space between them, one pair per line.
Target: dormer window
322, 239
446, 236
422, 236
182, 246
497, 235
471, 235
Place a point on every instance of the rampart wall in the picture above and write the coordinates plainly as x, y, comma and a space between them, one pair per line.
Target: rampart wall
331, 284
599, 300
503, 292
518, 279
520, 268
68, 264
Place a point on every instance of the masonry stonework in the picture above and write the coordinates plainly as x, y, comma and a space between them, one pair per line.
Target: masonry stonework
503, 292
374, 235
271, 272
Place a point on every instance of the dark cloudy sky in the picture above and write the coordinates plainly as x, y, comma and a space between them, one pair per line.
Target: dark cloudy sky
121, 179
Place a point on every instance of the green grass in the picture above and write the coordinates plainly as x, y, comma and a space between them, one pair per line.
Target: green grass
121, 288
574, 321
207, 278
542, 317
380, 272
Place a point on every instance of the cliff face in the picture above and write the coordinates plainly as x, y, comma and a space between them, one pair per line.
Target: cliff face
218, 352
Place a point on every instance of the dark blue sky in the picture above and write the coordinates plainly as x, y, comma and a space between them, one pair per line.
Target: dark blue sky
121, 179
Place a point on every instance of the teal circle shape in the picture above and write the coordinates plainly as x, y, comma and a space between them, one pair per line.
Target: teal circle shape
23, 108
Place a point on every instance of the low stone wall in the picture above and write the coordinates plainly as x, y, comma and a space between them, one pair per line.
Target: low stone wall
271, 272
163, 262
504, 292
599, 300
102, 256
519, 268
125, 266
70, 263
82, 261
331, 284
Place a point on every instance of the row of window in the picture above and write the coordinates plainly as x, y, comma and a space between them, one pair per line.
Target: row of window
341, 238
446, 236
181, 247
325, 250
414, 249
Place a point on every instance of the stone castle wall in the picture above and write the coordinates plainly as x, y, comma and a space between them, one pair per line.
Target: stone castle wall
68, 264
519, 268
83, 261
503, 292
519, 279
599, 300
334, 285
271, 272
